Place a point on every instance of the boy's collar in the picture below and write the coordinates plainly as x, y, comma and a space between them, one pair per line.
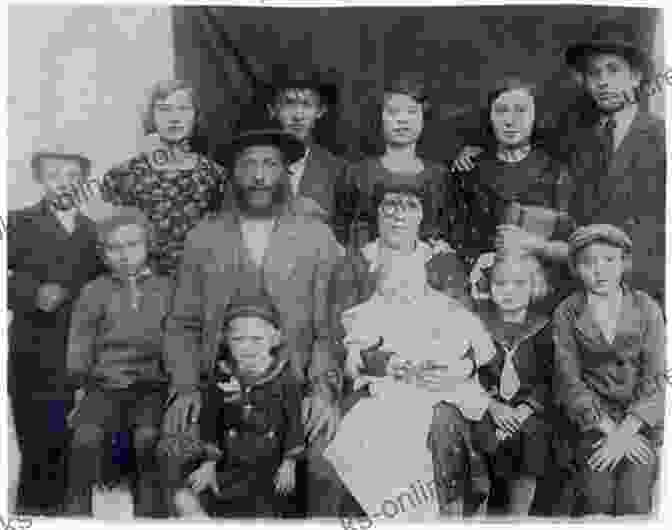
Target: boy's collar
533, 324
274, 369
144, 273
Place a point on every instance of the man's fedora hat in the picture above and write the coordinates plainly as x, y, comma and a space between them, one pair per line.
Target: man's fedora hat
610, 36
324, 83
292, 148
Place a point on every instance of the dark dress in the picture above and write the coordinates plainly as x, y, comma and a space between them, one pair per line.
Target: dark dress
174, 201
434, 181
41, 251
255, 427
527, 452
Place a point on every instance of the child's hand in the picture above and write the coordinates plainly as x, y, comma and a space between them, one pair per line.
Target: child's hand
504, 416
285, 478
50, 296
396, 366
523, 411
204, 477
465, 160
639, 451
79, 396
611, 449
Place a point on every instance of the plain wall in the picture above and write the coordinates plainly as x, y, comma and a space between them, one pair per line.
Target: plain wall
78, 76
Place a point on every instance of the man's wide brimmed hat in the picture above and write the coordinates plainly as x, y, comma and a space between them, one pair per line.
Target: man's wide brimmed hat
292, 147
324, 83
610, 36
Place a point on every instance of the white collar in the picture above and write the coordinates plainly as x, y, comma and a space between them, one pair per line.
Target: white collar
514, 155
373, 253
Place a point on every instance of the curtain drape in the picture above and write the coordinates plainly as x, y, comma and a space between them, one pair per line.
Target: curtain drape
229, 53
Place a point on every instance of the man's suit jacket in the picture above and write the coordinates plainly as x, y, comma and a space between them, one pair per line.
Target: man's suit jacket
630, 195
41, 251
297, 266
323, 181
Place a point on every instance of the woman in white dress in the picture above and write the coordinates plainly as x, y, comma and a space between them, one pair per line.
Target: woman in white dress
404, 450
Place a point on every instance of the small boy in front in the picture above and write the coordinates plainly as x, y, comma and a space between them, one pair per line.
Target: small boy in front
252, 414
115, 359
610, 360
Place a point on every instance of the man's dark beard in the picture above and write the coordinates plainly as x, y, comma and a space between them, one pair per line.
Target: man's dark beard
279, 199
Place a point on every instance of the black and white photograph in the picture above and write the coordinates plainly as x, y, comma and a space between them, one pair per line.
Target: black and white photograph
334, 262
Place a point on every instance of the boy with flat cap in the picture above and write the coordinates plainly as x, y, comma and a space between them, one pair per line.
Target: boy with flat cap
610, 363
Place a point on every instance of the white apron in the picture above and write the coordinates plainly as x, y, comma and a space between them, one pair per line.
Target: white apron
380, 450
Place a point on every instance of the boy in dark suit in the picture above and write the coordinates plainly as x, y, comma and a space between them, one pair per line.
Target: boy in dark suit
618, 164
51, 255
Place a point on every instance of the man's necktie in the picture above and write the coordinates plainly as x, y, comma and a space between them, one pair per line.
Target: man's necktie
607, 142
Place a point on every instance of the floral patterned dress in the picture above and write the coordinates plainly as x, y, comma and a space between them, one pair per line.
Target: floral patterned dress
173, 200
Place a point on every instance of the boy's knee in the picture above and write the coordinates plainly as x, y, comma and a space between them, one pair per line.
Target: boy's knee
88, 436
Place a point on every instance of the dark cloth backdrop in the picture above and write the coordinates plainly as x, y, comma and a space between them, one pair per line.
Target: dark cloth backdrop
229, 53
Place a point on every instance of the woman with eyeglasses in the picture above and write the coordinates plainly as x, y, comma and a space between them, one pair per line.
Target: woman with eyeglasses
400, 117
172, 183
391, 319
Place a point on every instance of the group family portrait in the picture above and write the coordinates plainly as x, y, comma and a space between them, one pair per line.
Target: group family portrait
352, 264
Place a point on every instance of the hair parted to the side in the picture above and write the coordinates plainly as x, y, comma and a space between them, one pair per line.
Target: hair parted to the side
36, 162
481, 286
150, 236
162, 90
509, 83
409, 84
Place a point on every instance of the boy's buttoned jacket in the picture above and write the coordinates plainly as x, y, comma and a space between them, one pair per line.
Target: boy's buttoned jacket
297, 265
41, 251
623, 377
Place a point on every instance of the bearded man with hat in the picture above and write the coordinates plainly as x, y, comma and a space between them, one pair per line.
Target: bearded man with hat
262, 244
618, 164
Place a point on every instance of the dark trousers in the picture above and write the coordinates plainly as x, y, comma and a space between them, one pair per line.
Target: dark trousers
43, 438
115, 432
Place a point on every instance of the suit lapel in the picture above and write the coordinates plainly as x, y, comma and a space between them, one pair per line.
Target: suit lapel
50, 225
315, 182
618, 169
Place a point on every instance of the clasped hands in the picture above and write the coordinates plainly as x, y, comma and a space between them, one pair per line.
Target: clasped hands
205, 477
619, 442
508, 419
